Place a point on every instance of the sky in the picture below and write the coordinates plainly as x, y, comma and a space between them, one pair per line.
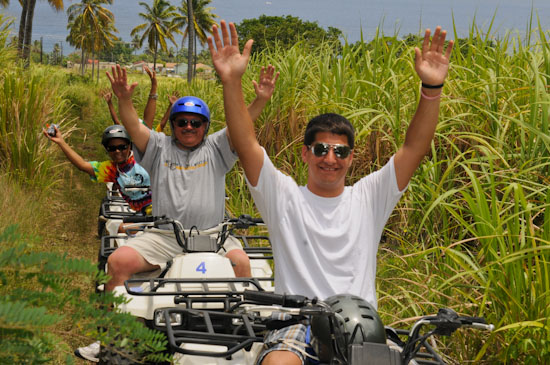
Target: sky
353, 17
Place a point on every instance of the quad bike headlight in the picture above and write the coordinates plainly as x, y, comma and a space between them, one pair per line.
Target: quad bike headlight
160, 319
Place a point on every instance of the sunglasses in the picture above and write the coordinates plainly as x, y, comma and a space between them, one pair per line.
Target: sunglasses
195, 123
120, 147
321, 149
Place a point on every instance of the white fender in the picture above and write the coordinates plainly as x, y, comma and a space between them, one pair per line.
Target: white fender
199, 265
189, 266
241, 357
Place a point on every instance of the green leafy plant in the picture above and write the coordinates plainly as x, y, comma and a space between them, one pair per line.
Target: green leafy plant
37, 295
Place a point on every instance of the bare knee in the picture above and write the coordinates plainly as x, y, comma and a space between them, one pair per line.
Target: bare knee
127, 261
281, 357
122, 264
241, 263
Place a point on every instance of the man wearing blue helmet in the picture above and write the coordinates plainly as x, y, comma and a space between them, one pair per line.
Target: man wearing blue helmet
187, 173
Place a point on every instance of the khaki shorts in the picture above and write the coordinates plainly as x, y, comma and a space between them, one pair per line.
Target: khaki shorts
158, 247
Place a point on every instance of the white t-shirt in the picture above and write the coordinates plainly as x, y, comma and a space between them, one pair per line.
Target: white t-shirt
325, 246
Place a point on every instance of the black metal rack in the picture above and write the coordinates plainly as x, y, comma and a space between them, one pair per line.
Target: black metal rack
234, 331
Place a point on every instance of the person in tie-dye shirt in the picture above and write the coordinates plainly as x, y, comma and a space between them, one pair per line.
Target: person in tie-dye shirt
122, 170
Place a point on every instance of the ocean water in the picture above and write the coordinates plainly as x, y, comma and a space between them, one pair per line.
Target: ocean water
353, 17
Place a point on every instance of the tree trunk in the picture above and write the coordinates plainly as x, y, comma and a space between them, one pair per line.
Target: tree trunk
82, 62
98, 62
22, 22
93, 64
28, 32
191, 35
155, 54
195, 59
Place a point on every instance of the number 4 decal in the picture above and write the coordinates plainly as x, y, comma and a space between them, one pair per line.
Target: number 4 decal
201, 267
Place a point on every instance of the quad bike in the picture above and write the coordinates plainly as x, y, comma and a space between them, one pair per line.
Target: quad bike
114, 208
345, 330
198, 278
211, 317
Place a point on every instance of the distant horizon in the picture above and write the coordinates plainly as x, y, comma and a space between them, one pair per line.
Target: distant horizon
352, 17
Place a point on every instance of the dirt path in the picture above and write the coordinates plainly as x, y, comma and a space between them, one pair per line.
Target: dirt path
73, 230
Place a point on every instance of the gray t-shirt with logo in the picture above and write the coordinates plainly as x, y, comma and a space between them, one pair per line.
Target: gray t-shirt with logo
188, 185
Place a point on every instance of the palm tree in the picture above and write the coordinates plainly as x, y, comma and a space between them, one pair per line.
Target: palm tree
25, 25
203, 19
157, 28
56, 54
77, 38
91, 27
135, 43
191, 49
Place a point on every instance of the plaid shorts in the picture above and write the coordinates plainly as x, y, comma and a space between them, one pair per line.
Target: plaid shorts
292, 338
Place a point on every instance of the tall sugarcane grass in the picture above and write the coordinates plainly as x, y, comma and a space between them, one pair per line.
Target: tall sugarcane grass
28, 102
471, 233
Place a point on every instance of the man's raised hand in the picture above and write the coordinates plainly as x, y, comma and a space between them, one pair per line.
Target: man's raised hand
119, 83
152, 75
228, 61
431, 63
266, 85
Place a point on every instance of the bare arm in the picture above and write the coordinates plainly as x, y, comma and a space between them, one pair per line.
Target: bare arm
139, 132
230, 65
431, 65
151, 106
108, 96
264, 90
71, 154
171, 100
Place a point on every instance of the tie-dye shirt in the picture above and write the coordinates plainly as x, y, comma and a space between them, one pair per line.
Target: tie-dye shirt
130, 173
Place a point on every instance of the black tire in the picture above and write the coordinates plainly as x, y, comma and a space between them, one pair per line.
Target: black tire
120, 357
108, 355
101, 223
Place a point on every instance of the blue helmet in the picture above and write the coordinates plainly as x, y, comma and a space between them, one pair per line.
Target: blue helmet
191, 104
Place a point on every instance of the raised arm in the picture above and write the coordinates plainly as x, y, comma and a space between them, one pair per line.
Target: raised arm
230, 65
108, 97
171, 100
264, 90
128, 115
71, 154
431, 65
151, 106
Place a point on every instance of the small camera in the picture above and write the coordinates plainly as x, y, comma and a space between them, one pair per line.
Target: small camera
51, 129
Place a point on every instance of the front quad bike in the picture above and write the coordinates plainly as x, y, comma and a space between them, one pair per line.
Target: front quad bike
199, 278
345, 329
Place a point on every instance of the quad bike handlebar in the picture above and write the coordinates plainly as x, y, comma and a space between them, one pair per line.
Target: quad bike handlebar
183, 236
444, 323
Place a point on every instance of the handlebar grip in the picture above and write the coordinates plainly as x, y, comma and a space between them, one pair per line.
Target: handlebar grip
286, 300
162, 221
139, 219
471, 320
244, 221
263, 297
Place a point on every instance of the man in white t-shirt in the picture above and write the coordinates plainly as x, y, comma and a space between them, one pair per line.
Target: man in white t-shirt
325, 235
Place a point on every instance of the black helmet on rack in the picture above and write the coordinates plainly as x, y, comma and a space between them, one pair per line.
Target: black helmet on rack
356, 322
114, 131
